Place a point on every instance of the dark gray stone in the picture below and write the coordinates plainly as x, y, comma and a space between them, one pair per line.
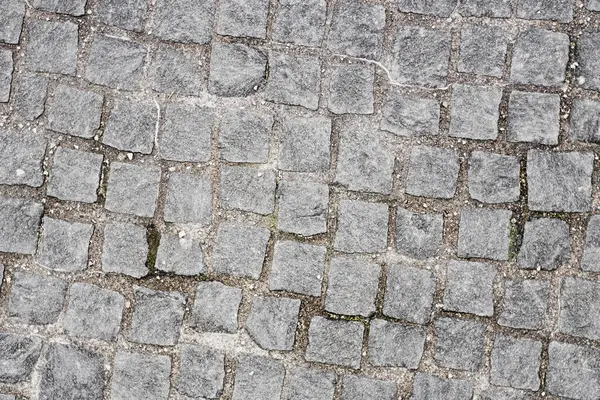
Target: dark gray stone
52, 47
484, 233
132, 189
419, 235
494, 178
21, 157
475, 112
74, 112
294, 80
395, 345
459, 344
590, 260
240, 250
18, 356
362, 227
439, 8
358, 388
546, 244
335, 342
29, 95
409, 293
216, 308
19, 223
426, 387
11, 21
245, 18
560, 182
585, 121
555, 10
187, 21
6, 72
410, 115
189, 199
352, 286
36, 299
126, 14
482, 49
175, 70
245, 136
533, 117
571, 372
485, 8
64, 245
125, 249
236, 70
185, 133
75, 175
140, 376
201, 372
304, 144
579, 306
469, 288
308, 384
525, 304
300, 22
94, 312
258, 378
131, 126
516, 363
248, 189
71, 7
351, 89
297, 268
432, 172
588, 51
272, 322
180, 256
303, 207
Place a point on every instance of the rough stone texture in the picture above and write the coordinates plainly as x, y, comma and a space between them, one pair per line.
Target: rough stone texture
201, 371
294, 80
157, 316
29, 95
245, 136
432, 172
189, 199
187, 21
540, 57
131, 126
11, 21
420, 56
36, 299
126, 14
71, 7
21, 157
245, 18
585, 121
482, 48
395, 345
7, 396
351, 89
352, 286
297, 268
304, 144
72, 372
335, 342
6, 72
216, 308
571, 372
410, 115
358, 388
516, 362
132, 189
533, 117
258, 378
140, 376
64, 245
475, 112
494, 178
555, 10
469, 288
559, 182
593, 5
546, 244
484, 233
272, 322
362, 227
240, 250
460, 344
588, 51
20, 221
185, 133
248, 189
427, 387
300, 22
525, 304
498, 393
303, 207
439, 8
409, 293
74, 112
308, 384
125, 249
115, 62
590, 260
579, 306
180, 256
419, 235
176, 70
18, 356
52, 47
94, 312
236, 70
357, 29
75, 175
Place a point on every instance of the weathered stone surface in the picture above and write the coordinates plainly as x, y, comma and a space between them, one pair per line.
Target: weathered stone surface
362, 227
484, 8
351, 89
187, 21
52, 47
174, 70
75, 175
590, 260
308, 384
579, 306
419, 235
258, 378
409, 293
585, 121
132, 189
494, 178
126, 14
216, 308
29, 95
6, 73
140, 376
469, 288
297, 267
482, 48
180, 256
11, 21
240, 250
18, 356
475, 112
36, 299
245, 136
357, 388
502, 393
525, 304
428, 386
201, 371
64, 245
7, 396
432, 172
125, 249
555, 10
71, 7
484, 233
335, 342
546, 244
248, 189
593, 5
410, 115
74, 112
300, 22
395, 345
189, 199
19, 223
245, 18
588, 50
236, 70
131, 126
533, 117
185, 133
571, 372
439, 8
516, 362
303, 207
272, 322
460, 344
21, 157
294, 80
304, 144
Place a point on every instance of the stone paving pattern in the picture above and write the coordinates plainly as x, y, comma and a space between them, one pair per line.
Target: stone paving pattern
299, 199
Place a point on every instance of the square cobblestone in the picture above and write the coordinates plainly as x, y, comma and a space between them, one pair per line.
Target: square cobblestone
240, 250
187, 21
590, 260
432, 172
357, 29
475, 112
409, 293
359, 388
516, 363
189, 199
419, 235
21, 157
588, 52
74, 112
300, 22
20, 222
428, 386
335, 342
409, 115
303, 207
64, 245
351, 89
395, 345
482, 48
294, 80
216, 308
297, 268
440, 8
29, 95
75, 175
71, 7
180, 256
304, 144
484, 233
6, 72
352, 286
585, 121
469, 288
533, 117
503, 393
309, 384
560, 182
245, 136
244, 18
11, 21
546, 244
593, 5
176, 70
570, 372
52, 47
126, 14
94, 312
248, 189
272, 322
236, 70
525, 304
555, 10
579, 305
131, 126
201, 372
36, 299
125, 249
157, 316
258, 378
140, 376
18, 356
460, 344
362, 227
186, 133
132, 189
494, 178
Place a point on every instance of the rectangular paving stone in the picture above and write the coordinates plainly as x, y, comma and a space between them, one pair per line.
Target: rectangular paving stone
185, 133
426, 386
236, 70
297, 268
20, 221
516, 362
29, 95
432, 172
419, 235
482, 48
216, 308
303, 207
189, 199
409, 293
18, 356
546, 244
358, 388
272, 322
484, 8
585, 121
362, 227
64, 245
74, 111
588, 50
245, 18
70, 7
440, 8
294, 80
533, 117
6, 72
555, 10
304, 144
248, 189
36, 299
125, 249
406, 115
484, 233
300, 22
126, 14
180, 256
21, 158
469, 288
176, 70
245, 136
475, 112
525, 304
590, 261
131, 126
140, 376
351, 89
94, 312
308, 384
201, 371
494, 178
52, 47
573, 371
579, 306
11, 21
187, 21
335, 342
395, 345
459, 344
258, 378
132, 189
503, 393
75, 175
559, 182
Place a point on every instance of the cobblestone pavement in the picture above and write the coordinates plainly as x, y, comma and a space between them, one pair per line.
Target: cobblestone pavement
299, 199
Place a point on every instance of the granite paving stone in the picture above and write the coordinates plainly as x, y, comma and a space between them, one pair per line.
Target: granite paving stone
503, 393
132, 189
427, 386
71, 7
52, 47
573, 371
482, 48
362, 227
125, 249
180, 256
516, 362
64, 245
432, 172
484, 233
460, 344
406, 115
419, 235
216, 308
300, 22
29, 95
546, 244
258, 378
294, 80
395, 345
335, 342
36, 299
441, 8
11, 21
351, 89
588, 47
469, 287
126, 14
6, 73
409, 293
533, 117
21, 157
585, 121
185, 133
525, 304
20, 224
272, 322
74, 112
579, 303
18, 356
248, 189
593, 5
358, 388
236, 70
308, 384
297, 268
475, 112
303, 207
590, 260
131, 126
494, 178
140, 376
175, 70
201, 371
245, 136
189, 199
186, 21
555, 10
243, 18
75, 175
304, 144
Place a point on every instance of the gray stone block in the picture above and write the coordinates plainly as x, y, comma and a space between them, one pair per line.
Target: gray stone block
579, 301
300, 22
75, 175
240, 250
409, 293
469, 288
585, 121
358, 388
590, 260
216, 308
303, 207
272, 322
459, 344
176, 70
294, 80
236, 70
52, 47
125, 249
297, 268
410, 115
11, 21
64, 245
560, 182
94, 312
555, 10
74, 112
475, 112
308, 384
19, 224
432, 172
498, 393
21, 157
494, 178
482, 50
71, 7
189, 199
533, 117
245, 136
440, 8
185, 133
132, 189
568, 372
516, 363
588, 50
304, 144
593, 5
525, 304
131, 126
335, 342
362, 227
36, 299
126, 14
248, 189
29, 95
351, 89
6, 72
546, 244
140, 376
180, 256
484, 233
419, 235
395, 345
258, 378
245, 18
201, 372
485, 8
18, 356
187, 21
426, 387
4, 396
